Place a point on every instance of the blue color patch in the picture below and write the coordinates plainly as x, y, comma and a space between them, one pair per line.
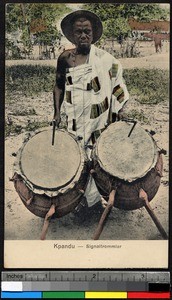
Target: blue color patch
23, 295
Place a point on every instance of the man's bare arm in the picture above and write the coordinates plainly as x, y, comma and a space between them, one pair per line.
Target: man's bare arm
58, 99
58, 92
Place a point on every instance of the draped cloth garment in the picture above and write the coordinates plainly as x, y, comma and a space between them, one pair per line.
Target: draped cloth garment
93, 91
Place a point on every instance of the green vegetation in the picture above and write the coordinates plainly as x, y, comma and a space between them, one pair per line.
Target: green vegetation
29, 79
36, 125
151, 86
17, 129
139, 116
25, 112
115, 16
142, 11
33, 18
12, 129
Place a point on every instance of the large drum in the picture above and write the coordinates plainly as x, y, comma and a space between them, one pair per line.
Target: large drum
126, 159
46, 174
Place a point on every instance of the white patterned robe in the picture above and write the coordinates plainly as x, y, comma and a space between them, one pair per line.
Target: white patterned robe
93, 91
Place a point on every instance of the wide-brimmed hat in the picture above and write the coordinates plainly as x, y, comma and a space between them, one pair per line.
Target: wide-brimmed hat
68, 21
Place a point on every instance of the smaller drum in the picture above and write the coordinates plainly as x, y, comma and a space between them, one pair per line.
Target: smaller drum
45, 175
126, 158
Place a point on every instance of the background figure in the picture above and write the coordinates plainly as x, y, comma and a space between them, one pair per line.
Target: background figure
158, 43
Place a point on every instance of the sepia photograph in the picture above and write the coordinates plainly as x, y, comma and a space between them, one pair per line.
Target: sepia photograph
87, 124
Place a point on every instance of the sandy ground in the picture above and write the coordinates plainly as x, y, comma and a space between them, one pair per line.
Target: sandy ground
121, 225
158, 60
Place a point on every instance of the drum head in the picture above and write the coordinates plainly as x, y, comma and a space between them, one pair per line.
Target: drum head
127, 158
47, 166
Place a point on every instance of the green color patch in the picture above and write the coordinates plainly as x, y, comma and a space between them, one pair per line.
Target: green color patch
66, 295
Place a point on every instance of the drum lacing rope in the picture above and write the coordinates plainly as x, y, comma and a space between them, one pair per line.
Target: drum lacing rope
83, 105
86, 62
74, 111
109, 117
83, 101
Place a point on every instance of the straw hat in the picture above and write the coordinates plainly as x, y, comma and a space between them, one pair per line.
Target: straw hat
68, 21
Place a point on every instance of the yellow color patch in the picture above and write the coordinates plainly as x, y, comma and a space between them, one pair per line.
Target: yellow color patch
106, 295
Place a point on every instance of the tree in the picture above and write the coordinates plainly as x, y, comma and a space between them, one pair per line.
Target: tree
113, 31
144, 12
24, 16
14, 17
115, 16
16, 20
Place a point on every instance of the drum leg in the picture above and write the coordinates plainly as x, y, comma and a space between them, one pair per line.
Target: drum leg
143, 195
47, 221
105, 215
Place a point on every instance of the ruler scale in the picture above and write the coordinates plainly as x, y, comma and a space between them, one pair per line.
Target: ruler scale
85, 284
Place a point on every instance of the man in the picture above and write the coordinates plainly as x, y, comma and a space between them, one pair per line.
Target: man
158, 43
89, 88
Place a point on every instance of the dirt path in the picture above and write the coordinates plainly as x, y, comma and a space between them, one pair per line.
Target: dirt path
21, 224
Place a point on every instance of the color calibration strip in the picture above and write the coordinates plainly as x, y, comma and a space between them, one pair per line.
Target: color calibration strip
39, 290
85, 285
85, 295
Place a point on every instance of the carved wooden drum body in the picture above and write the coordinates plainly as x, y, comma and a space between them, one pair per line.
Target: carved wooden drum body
127, 160
46, 175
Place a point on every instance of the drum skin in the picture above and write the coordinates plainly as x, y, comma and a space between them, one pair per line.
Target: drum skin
39, 199
127, 193
134, 165
41, 204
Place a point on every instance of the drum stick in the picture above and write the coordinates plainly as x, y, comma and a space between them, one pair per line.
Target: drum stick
143, 195
54, 128
105, 215
135, 122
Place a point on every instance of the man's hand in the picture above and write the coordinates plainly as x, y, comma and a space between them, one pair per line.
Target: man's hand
122, 116
56, 119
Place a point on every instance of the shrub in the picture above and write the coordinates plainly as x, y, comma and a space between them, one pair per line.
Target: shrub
17, 129
25, 112
151, 86
138, 116
36, 125
29, 79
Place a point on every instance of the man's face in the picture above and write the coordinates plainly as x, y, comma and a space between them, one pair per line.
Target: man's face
83, 34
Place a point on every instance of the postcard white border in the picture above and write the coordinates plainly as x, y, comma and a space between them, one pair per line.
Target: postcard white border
81, 254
